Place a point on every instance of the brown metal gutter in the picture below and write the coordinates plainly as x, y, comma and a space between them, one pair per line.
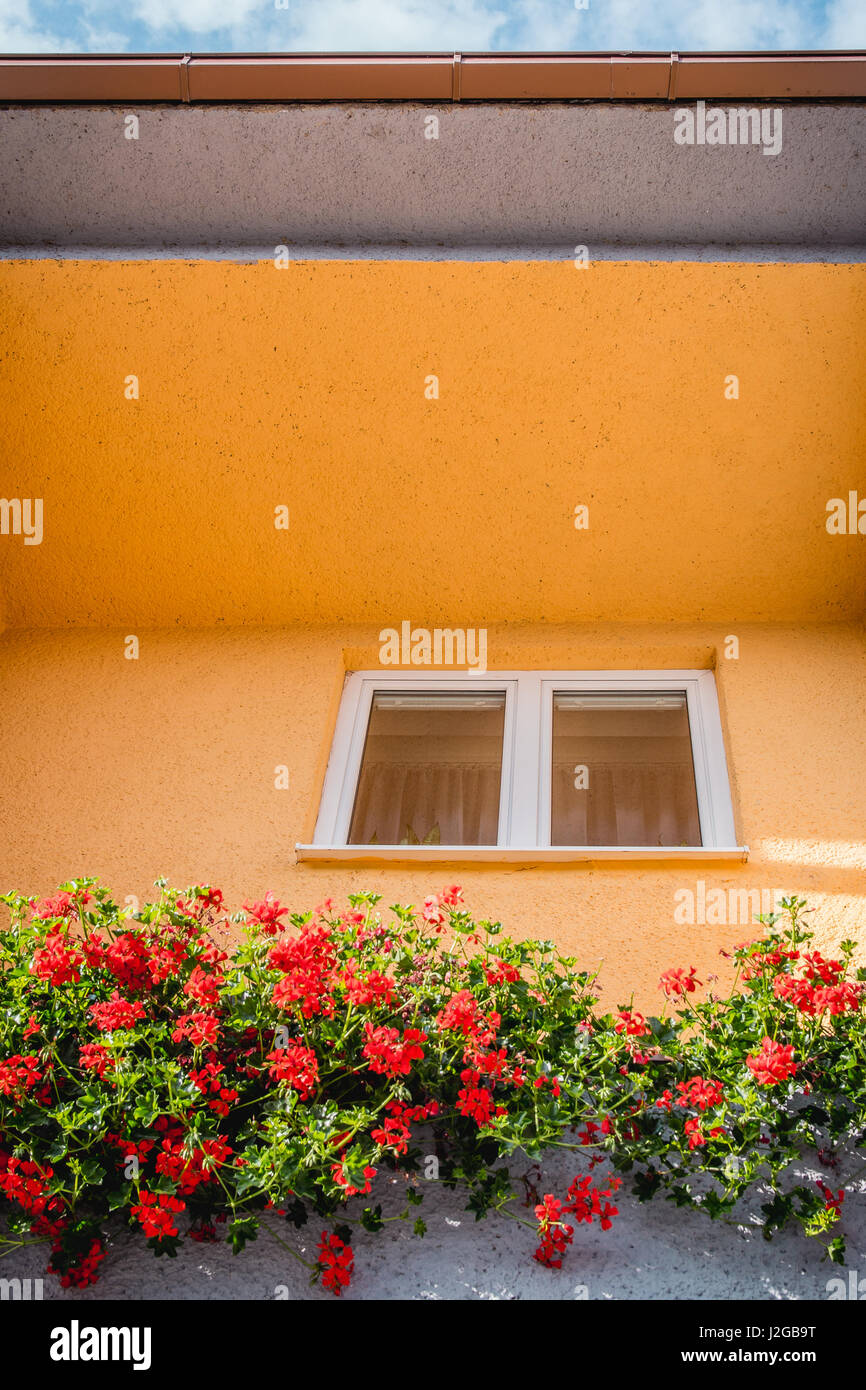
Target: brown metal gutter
435, 77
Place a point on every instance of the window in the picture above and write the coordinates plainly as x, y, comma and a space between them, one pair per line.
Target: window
431, 770
527, 765
623, 771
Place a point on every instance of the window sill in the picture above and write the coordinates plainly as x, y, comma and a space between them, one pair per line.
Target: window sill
495, 854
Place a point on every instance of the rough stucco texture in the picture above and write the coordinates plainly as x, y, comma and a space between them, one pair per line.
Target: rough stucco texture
305, 388
497, 175
165, 765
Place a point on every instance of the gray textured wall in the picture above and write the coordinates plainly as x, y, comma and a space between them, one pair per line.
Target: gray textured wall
497, 176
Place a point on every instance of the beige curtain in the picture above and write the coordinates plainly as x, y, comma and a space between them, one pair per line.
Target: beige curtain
455, 805
625, 804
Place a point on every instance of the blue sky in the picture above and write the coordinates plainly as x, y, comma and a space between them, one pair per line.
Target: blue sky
153, 26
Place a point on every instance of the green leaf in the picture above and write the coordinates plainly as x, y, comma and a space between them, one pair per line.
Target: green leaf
241, 1231
92, 1172
297, 1214
371, 1219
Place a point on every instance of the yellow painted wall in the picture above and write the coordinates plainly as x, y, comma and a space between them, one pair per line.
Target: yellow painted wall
165, 765
305, 387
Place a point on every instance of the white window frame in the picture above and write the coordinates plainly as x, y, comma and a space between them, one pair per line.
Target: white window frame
525, 789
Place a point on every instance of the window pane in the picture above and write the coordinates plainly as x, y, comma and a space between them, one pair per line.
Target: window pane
622, 771
431, 770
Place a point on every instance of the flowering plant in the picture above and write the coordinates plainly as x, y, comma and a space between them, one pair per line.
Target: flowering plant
749, 1091
155, 1067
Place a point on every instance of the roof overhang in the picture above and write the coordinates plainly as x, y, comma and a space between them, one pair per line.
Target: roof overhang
256, 77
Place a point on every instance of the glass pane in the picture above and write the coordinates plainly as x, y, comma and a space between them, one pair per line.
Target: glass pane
431, 770
622, 771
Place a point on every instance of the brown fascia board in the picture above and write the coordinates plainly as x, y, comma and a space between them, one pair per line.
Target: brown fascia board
434, 77
89, 79
563, 77
797, 77
322, 78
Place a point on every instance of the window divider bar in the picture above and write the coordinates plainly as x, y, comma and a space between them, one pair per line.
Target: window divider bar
523, 820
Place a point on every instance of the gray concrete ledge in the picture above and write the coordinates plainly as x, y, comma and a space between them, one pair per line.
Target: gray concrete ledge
499, 175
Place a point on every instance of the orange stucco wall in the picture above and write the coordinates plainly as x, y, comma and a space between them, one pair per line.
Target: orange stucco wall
165, 765
305, 387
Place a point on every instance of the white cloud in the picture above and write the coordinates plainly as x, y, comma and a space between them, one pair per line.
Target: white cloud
416, 25
21, 33
394, 24
199, 16
663, 24
322, 25
846, 25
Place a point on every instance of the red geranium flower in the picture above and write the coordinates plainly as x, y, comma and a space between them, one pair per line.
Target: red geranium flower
56, 962
267, 914
155, 1211
204, 987
703, 1095
555, 1236
19, 1073
679, 981
116, 1012
297, 1065
95, 1057
772, 1064
201, 1029
387, 1054
337, 1261
634, 1025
